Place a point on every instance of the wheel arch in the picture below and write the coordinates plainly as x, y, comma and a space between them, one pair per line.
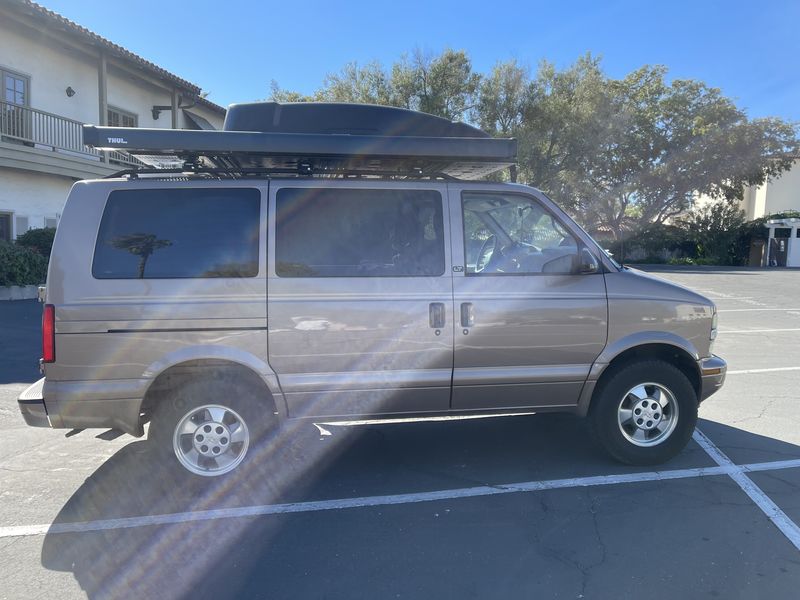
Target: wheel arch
674, 354
167, 374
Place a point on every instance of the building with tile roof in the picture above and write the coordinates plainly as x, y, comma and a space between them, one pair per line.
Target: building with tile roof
57, 75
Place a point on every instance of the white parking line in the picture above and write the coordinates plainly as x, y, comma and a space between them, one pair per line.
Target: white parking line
779, 518
715, 295
370, 501
769, 370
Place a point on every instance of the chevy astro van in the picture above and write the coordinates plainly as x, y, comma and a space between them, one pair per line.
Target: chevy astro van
332, 262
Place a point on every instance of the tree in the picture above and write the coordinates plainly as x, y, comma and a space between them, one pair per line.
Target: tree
567, 115
503, 97
369, 84
715, 227
616, 153
445, 85
442, 85
404, 82
624, 153
698, 142
278, 94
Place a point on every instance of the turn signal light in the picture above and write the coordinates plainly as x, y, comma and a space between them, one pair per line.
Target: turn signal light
49, 333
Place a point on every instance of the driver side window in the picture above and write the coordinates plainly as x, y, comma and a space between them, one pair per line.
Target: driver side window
511, 234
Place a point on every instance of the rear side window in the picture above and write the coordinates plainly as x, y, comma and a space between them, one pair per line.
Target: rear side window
178, 233
359, 233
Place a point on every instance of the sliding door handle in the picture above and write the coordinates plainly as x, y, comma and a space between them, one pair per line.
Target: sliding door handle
467, 314
436, 315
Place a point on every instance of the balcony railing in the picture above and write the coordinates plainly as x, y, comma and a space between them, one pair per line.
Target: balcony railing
46, 131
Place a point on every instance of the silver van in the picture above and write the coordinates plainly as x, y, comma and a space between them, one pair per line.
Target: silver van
217, 302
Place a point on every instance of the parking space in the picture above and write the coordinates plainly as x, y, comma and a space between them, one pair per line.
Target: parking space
485, 508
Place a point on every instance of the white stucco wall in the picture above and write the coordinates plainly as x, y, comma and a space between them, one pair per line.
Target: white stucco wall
776, 196
212, 117
133, 95
33, 195
782, 194
138, 97
52, 67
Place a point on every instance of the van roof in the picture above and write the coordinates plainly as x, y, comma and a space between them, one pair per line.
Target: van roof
331, 139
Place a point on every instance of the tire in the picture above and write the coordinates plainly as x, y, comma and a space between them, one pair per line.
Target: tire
224, 422
661, 403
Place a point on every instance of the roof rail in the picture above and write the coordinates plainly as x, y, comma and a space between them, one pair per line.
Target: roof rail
333, 139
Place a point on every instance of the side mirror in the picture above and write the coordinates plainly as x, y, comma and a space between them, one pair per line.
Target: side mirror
587, 262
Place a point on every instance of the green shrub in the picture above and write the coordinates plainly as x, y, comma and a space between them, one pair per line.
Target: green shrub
649, 260
684, 260
21, 266
714, 228
715, 234
655, 243
40, 240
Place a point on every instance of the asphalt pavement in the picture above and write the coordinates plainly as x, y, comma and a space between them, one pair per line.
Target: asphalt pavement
502, 507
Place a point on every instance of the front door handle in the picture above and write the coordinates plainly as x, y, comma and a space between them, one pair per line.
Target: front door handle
467, 314
436, 315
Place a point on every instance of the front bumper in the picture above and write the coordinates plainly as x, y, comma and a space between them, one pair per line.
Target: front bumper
712, 375
31, 405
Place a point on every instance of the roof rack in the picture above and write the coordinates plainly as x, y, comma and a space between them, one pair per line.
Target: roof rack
317, 139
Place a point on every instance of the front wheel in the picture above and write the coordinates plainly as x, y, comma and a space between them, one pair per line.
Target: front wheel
645, 413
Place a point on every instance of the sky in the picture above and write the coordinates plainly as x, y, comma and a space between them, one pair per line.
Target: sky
233, 49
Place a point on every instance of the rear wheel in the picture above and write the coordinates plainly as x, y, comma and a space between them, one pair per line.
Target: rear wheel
210, 427
644, 413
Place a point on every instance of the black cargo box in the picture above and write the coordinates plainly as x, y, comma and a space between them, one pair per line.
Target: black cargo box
321, 139
341, 118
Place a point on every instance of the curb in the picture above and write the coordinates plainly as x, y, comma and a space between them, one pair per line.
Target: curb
18, 292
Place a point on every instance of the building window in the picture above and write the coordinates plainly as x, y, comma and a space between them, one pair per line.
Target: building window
16, 88
5, 227
22, 225
15, 118
121, 118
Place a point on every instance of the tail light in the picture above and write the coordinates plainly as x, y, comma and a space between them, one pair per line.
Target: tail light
49, 334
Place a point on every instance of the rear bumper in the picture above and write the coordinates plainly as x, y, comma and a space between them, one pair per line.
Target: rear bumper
31, 405
712, 375
83, 405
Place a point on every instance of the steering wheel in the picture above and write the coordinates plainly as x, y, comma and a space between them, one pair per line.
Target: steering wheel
485, 254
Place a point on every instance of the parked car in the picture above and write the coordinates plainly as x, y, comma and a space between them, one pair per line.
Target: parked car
218, 307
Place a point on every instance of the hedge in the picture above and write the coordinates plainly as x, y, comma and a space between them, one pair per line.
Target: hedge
40, 240
20, 265
714, 240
